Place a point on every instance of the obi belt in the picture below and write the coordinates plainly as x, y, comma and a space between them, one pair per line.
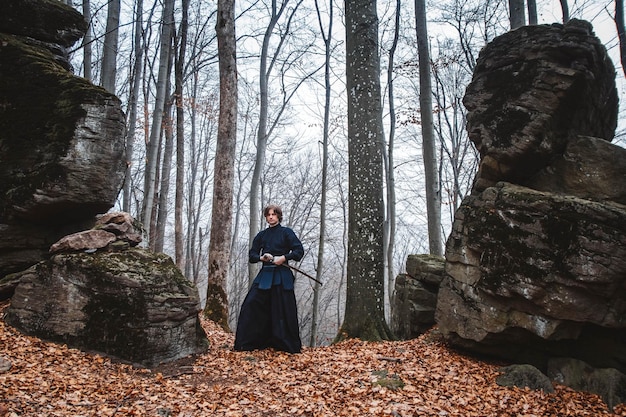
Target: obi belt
271, 274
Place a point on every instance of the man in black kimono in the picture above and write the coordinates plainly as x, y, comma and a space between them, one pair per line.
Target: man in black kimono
269, 317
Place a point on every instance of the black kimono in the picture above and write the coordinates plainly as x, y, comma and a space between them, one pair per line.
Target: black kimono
269, 317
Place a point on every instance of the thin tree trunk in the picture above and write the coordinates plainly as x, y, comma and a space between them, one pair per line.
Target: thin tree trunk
344, 260
222, 214
180, 136
87, 40
157, 118
327, 89
429, 149
621, 33
365, 293
565, 9
255, 210
136, 77
192, 223
532, 12
391, 182
166, 169
110, 47
517, 16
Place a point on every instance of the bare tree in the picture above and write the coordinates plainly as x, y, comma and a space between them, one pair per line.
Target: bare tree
179, 61
621, 33
204, 117
201, 102
87, 39
532, 12
244, 165
475, 23
133, 98
458, 162
110, 47
157, 119
262, 134
365, 294
222, 215
517, 17
390, 221
565, 10
268, 62
162, 208
327, 37
429, 148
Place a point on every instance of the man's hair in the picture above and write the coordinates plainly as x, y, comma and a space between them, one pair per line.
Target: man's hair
277, 210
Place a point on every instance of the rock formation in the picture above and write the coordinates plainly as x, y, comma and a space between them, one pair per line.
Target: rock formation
608, 383
534, 90
61, 163
61, 138
100, 292
415, 296
536, 259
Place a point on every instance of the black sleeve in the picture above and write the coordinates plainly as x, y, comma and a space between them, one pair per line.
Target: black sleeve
254, 255
296, 250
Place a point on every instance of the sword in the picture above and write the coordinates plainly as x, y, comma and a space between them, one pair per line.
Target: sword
298, 270
302, 272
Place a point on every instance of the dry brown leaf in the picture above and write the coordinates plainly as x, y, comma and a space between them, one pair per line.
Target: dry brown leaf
54, 380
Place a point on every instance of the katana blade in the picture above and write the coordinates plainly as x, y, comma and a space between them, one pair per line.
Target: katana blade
302, 272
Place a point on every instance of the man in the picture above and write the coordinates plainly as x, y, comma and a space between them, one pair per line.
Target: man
268, 316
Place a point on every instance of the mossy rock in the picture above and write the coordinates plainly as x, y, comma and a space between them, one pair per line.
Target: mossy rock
44, 20
134, 305
42, 104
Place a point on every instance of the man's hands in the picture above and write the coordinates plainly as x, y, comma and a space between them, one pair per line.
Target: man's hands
278, 260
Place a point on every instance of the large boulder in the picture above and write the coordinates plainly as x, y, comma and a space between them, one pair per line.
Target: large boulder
536, 259
530, 275
131, 304
533, 90
100, 292
62, 146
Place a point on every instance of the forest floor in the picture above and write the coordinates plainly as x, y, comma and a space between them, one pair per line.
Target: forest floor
419, 377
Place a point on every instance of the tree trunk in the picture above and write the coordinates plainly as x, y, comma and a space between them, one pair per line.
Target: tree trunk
87, 41
192, 221
565, 9
364, 311
166, 169
157, 118
621, 33
222, 214
391, 181
110, 47
327, 36
429, 149
262, 133
517, 16
179, 75
136, 77
532, 12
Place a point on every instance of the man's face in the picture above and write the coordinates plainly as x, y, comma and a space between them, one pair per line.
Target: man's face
271, 218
